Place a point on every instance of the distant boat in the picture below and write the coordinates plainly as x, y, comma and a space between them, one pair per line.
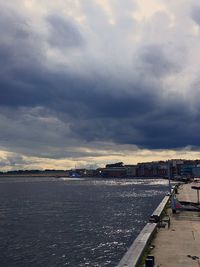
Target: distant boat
75, 175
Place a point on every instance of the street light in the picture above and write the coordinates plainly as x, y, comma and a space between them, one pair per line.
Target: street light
169, 176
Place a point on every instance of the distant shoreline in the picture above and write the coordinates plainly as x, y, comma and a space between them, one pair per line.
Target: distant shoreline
33, 175
67, 176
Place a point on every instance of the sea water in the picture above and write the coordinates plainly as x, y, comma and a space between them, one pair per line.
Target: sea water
73, 222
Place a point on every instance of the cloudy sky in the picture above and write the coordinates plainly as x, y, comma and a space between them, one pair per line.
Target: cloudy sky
85, 82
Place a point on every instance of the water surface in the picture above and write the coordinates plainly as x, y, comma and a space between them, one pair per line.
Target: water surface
72, 222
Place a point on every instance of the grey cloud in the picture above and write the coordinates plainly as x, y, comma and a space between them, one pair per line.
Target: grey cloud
12, 160
12, 24
63, 32
154, 61
195, 14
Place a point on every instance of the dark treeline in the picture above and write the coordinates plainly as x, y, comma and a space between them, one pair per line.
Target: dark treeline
32, 171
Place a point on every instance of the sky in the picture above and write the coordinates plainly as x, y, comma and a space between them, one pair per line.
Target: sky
89, 82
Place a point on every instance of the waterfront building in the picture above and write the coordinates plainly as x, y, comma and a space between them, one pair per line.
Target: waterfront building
187, 170
131, 170
196, 171
110, 172
175, 167
153, 169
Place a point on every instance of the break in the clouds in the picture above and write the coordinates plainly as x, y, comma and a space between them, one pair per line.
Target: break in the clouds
97, 80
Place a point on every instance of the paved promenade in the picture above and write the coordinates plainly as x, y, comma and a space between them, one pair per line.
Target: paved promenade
179, 246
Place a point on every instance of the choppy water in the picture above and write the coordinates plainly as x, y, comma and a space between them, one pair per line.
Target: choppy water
61, 222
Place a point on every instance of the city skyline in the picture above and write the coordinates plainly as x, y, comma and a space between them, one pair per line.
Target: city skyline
96, 81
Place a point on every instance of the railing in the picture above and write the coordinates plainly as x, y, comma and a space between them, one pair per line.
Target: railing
133, 256
135, 252
155, 217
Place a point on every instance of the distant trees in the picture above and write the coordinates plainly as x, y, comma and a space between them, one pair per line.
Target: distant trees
115, 165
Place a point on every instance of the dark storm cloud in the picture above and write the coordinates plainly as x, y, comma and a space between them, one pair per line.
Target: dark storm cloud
153, 129
20, 68
79, 108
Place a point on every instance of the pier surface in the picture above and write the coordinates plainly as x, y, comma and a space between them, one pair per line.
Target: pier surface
179, 245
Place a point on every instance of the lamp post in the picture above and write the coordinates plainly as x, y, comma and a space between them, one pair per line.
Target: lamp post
169, 176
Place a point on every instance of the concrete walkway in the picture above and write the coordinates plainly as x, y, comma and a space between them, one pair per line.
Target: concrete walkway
179, 246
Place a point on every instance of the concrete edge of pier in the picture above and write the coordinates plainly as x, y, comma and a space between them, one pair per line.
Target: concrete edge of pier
133, 256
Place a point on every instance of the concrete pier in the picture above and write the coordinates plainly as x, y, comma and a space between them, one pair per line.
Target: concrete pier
179, 245
133, 255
